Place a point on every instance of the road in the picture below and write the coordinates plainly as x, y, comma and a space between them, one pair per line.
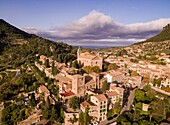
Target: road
125, 108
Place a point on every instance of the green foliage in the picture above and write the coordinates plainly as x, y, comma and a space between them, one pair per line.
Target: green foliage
32, 101
95, 69
139, 95
157, 111
52, 113
46, 63
121, 52
105, 86
54, 69
110, 113
7, 88
29, 82
74, 119
162, 36
75, 64
84, 118
147, 88
156, 82
89, 69
53, 89
112, 66
13, 113
74, 103
134, 60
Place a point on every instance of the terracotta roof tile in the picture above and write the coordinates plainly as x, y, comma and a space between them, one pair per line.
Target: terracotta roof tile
101, 97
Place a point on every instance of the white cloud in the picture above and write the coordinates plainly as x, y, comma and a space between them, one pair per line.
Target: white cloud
98, 28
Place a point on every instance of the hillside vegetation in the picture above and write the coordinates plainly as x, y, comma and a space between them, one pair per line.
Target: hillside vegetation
15, 54
164, 35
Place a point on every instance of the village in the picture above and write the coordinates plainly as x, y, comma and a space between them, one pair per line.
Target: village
106, 93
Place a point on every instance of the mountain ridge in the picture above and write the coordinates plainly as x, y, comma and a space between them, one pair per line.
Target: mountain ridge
164, 35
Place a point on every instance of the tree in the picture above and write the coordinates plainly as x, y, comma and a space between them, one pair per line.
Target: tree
74, 119
105, 86
46, 63
96, 69
54, 69
87, 69
156, 82
32, 100
54, 115
110, 113
139, 95
74, 103
86, 116
76, 64
112, 66
146, 88
81, 118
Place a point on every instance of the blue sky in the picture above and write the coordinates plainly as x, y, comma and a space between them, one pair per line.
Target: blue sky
48, 17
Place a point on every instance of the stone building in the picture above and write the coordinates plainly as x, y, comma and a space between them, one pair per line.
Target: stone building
87, 59
78, 85
97, 107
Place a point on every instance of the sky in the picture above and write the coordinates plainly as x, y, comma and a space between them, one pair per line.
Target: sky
88, 22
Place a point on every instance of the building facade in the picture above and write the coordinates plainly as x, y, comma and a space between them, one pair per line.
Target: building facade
97, 107
87, 59
78, 85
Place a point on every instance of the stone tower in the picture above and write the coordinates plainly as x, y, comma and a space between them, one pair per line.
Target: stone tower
78, 52
78, 85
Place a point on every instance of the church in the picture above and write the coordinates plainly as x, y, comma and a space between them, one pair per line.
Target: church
88, 59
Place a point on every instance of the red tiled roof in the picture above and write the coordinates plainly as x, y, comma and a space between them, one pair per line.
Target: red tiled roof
85, 104
67, 94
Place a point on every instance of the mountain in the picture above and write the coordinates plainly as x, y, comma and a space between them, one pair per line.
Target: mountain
18, 47
164, 35
18, 52
7, 29
157, 44
12, 35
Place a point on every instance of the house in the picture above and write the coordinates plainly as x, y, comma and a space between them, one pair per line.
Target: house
113, 97
145, 107
65, 96
134, 81
120, 92
92, 81
91, 106
88, 59
97, 106
114, 76
70, 115
64, 83
166, 82
44, 90
32, 119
